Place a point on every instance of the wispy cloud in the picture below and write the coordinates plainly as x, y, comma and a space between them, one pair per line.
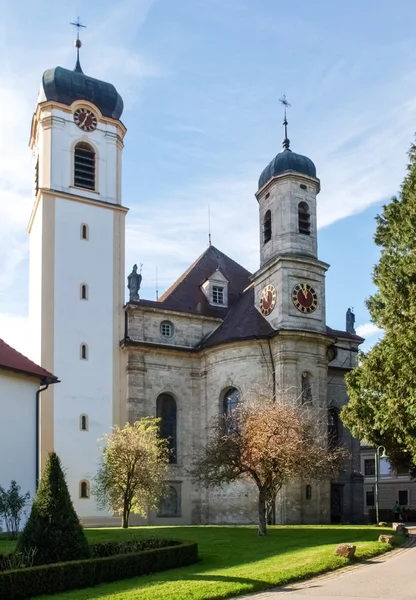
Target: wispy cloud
367, 330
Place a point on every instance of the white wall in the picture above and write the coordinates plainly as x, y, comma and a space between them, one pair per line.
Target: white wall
35, 286
87, 385
18, 432
56, 156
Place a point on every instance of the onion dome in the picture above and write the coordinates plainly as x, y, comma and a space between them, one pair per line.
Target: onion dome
285, 161
66, 86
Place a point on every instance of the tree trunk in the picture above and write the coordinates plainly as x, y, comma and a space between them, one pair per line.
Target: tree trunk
126, 514
262, 513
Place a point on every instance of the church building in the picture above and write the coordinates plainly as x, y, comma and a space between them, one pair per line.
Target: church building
217, 333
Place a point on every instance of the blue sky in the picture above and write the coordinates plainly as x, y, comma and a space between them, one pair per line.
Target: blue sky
201, 81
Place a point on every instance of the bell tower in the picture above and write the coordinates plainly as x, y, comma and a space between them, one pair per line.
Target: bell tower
77, 267
289, 286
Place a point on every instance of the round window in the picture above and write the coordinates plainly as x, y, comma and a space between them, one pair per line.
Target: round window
166, 329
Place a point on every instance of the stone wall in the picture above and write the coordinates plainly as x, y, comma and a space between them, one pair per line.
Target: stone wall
198, 380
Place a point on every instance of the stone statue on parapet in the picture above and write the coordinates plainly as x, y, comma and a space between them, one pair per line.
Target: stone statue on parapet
350, 320
134, 281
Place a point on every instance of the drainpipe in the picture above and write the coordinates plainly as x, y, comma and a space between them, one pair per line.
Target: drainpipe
38, 393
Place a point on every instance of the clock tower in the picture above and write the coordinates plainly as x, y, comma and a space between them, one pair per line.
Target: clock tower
77, 268
289, 286
289, 292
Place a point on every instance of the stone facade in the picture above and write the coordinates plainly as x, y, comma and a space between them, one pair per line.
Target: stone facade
198, 379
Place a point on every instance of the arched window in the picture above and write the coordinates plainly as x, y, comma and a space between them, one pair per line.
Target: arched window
306, 388
267, 227
304, 218
84, 291
84, 166
333, 428
84, 231
230, 400
166, 411
84, 489
84, 352
83, 423
169, 505
308, 492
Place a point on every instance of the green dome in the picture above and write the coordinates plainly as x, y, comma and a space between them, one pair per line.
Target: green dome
65, 86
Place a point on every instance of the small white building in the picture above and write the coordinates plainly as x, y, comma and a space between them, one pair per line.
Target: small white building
21, 384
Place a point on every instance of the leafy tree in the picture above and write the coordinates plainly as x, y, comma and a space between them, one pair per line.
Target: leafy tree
53, 527
12, 508
269, 443
382, 388
133, 469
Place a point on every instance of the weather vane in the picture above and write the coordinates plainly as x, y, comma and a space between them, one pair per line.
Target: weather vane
286, 141
78, 43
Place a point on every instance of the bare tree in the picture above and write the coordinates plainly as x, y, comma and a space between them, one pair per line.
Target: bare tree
270, 443
133, 469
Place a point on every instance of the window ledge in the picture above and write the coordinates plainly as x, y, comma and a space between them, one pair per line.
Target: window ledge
81, 189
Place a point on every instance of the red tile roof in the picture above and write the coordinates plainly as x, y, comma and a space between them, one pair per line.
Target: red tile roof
12, 360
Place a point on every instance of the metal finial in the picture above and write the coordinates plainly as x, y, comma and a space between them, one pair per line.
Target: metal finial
78, 43
286, 141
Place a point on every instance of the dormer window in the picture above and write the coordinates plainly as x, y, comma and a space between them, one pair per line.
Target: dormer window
215, 289
217, 294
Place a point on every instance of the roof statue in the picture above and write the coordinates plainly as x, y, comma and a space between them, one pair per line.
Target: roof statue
287, 160
350, 320
134, 281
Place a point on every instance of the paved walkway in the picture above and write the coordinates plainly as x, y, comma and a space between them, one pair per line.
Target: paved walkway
389, 577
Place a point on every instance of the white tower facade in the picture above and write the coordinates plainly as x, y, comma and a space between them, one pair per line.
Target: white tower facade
77, 269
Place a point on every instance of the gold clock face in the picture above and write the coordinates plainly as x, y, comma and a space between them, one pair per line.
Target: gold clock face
304, 298
268, 300
85, 119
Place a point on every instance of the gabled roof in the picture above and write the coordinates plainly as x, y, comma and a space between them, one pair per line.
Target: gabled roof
242, 322
12, 360
185, 295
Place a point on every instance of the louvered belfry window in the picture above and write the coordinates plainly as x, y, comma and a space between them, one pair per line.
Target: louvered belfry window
84, 166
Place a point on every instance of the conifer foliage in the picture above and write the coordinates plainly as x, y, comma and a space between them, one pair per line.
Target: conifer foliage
382, 389
53, 527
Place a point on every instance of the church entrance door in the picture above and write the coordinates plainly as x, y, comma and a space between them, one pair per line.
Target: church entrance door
336, 503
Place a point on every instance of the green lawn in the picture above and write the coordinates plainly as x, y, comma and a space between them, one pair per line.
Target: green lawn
234, 560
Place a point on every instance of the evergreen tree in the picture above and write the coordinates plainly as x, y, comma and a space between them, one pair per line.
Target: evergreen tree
53, 527
382, 389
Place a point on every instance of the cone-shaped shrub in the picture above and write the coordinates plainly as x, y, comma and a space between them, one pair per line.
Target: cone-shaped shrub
53, 527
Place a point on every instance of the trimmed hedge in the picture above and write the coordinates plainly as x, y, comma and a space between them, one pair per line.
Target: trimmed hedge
102, 549
98, 550
61, 577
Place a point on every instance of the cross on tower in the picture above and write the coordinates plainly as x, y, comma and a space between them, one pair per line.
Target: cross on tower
286, 141
78, 44
78, 25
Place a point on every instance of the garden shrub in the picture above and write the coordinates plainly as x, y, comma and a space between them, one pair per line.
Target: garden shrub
102, 549
53, 527
64, 576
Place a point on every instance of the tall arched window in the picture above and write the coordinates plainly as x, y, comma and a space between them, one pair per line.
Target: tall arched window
84, 291
83, 423
84, 166
230, 400
306, 388
84, 352
267, 227
304, 218
84, 231
333, 428
84, 489
166, 411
